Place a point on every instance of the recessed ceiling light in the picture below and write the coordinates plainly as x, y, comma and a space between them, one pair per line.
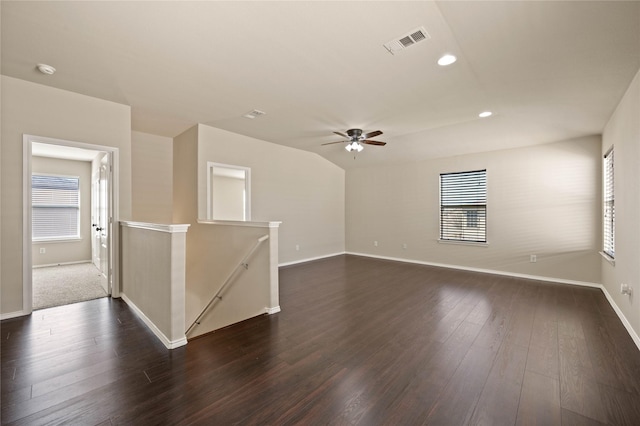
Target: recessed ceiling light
447, 59
46, 69
485, 114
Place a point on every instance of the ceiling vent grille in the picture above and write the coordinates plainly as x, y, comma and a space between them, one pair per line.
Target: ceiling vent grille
407, 40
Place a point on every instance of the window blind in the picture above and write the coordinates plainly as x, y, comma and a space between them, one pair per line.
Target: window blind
463, 206
609, 221
55, 202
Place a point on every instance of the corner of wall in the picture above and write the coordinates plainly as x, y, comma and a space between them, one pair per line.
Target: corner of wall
622, 132
185, 178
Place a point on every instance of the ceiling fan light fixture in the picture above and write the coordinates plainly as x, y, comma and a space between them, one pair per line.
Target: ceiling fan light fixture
356, 139
354, 146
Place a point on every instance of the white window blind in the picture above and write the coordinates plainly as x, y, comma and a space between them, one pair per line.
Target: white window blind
55, 202
609, 227
463, 206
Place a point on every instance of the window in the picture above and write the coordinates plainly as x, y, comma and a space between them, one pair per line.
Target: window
55, 202
609, 228
463, 206
228, 192
472, 218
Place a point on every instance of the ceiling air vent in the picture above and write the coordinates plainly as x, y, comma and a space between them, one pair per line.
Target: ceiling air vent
407, 40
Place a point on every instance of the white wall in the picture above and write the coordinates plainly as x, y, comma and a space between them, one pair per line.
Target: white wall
214, 251
542, 200
185, 177
623, 133
228, 197
301, 189
29, 108
66, 251
1, 179
151, 178
153, 277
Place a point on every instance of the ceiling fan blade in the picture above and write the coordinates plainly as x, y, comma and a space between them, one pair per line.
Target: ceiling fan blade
342, 134
331, 143
368, 142
372, 134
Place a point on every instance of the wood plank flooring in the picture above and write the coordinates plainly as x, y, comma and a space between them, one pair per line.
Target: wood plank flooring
358, 341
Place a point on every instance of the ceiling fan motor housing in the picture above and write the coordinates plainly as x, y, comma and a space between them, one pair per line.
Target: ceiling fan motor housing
354, 134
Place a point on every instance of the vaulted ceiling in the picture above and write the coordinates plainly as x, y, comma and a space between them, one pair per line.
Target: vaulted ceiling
548, 70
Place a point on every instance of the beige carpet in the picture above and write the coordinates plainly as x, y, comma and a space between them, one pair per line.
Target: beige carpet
62, 285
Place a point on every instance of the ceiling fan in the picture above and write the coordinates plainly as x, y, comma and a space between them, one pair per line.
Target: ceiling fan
356, 139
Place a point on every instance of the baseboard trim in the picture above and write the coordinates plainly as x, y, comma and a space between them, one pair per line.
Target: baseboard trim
310, 259
77, 262
484, 271
13, 315
170, 344
625, 322
273, 310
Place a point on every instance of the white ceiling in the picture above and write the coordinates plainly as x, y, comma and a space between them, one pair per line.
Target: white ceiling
549, 70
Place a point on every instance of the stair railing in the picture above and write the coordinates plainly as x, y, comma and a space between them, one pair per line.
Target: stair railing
243, 264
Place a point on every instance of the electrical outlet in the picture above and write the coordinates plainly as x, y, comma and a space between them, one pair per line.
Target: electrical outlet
404, 246
43, 250
533, 258
626, 289
297, 247
375, 244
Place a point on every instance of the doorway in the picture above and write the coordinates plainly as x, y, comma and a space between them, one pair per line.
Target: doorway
87, 256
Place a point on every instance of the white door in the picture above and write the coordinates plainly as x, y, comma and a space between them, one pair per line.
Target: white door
103, 222
100, 208
95, 213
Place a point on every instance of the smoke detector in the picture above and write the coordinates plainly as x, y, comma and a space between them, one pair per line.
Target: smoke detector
254, 113
46, 69
411, 38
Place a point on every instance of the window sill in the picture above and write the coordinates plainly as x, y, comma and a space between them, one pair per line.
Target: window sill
608, 258
463, 243
56, 240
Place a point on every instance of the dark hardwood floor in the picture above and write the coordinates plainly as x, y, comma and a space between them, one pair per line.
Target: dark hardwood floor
358, 341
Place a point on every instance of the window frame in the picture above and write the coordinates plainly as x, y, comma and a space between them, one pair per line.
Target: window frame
77, 207
608, 196
479, 222
211, 172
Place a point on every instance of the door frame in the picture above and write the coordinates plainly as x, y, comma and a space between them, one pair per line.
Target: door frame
95, 186
113, 188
